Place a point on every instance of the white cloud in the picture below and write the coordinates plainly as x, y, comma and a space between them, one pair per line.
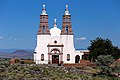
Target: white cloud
80, 39
10, 38
1, 37
14, 38
83, 38
19, 39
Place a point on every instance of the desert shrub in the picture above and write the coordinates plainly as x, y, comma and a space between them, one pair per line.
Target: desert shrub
104, 62
25, 62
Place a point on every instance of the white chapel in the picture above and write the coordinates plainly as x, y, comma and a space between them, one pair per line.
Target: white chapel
55, 46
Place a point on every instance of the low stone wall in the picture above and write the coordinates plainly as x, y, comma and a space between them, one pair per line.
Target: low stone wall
83, 63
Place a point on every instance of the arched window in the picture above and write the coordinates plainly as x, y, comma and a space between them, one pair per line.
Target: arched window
55, 50
66, 20
44, 29
43, 18
42, 57
66, 29
68, 57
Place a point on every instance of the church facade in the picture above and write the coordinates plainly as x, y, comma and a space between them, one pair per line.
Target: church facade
55, 46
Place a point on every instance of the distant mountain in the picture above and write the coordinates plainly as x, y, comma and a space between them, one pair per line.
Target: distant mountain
7, 50
18, 54
13, 50
4, 55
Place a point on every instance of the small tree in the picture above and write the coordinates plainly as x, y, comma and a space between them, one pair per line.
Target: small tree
102, 47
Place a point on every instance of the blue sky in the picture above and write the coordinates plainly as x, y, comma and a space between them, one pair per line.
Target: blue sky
19, 21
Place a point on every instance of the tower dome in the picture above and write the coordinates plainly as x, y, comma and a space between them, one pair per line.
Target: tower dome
55, 31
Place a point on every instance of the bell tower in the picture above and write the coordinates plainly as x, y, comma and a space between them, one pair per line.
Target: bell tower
66, 23
43, 27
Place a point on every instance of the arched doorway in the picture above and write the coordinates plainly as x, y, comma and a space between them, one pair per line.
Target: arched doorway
77, 59
55, 56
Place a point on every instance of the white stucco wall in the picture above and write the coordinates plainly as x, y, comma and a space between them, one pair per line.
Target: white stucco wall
42, 42
66, 40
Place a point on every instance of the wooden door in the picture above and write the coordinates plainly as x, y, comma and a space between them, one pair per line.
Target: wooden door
55, 59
